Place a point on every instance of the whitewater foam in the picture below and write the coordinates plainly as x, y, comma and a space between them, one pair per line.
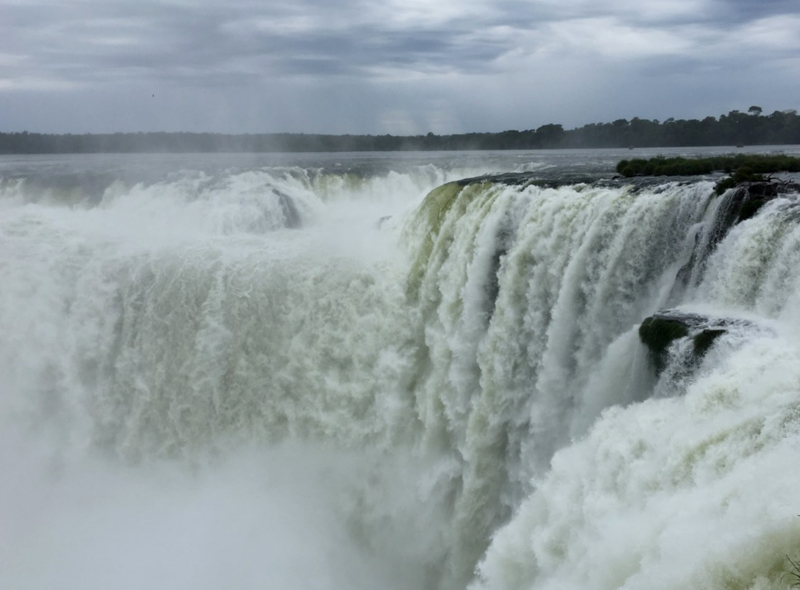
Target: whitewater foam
391, 390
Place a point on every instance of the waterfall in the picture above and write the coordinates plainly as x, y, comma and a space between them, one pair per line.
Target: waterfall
406, 380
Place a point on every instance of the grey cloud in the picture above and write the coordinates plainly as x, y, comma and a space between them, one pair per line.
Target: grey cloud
740, 11
178, 41
337, 52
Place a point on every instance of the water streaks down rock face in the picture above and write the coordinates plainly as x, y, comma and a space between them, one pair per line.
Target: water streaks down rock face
526, 293
531, 297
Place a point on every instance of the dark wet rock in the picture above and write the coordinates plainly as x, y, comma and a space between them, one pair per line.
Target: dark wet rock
736, 206
757, 194
659, 331
528, 178
705, 338
749, 197
762, 189
569, 178
503, 241
290, 212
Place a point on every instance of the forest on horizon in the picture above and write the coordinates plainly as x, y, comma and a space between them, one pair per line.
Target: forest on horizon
735, 128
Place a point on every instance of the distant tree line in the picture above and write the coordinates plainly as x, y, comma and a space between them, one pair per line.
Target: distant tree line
735, 128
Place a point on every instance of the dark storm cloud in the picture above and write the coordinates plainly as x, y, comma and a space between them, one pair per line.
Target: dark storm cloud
738, 11
404, 64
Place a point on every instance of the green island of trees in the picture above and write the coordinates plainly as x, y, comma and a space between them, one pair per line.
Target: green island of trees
740, 167
735, 128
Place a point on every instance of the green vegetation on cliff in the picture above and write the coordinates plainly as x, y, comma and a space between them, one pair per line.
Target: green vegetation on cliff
740, 167
430, 216
661, 166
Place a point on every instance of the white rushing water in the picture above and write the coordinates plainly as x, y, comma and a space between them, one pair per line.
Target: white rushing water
290, 376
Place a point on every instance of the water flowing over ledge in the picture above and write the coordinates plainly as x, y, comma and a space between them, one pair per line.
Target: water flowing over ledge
461, 385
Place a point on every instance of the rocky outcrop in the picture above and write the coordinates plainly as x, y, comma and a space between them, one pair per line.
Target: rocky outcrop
749, 197
758, 194
532, 178
736, 206
290, 211
659, 331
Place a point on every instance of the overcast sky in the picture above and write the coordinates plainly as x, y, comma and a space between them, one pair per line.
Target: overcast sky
388, 66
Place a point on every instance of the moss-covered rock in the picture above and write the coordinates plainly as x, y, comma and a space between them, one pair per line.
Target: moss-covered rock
750, 207
429, 217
